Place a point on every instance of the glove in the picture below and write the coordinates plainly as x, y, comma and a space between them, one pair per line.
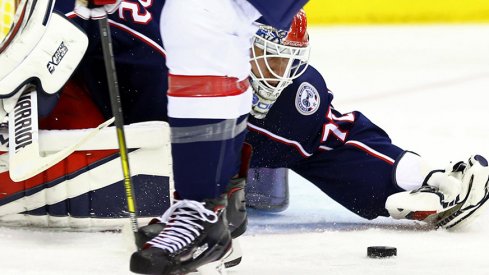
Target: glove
95, 9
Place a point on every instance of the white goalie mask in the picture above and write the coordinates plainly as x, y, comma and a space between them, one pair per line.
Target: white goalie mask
41, 47
278, 57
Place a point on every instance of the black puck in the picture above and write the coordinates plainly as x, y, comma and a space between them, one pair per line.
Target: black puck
381, 251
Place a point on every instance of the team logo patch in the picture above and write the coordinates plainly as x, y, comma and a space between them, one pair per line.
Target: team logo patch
307, 99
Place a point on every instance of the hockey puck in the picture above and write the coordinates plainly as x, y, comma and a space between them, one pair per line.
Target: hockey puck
381, 251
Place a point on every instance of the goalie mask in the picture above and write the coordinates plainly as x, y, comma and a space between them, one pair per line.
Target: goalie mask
278, 57
41, 47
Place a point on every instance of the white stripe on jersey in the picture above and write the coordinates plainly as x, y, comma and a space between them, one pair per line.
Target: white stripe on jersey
225, 107
371, 151
134, 33
139, 35
280, 139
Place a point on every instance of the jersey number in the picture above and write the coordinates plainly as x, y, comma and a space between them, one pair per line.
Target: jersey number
332, 127
138, 15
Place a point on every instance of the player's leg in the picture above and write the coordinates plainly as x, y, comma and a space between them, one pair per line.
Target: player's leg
208, 102
358, 178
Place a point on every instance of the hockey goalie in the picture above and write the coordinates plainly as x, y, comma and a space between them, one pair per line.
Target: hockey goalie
59, 159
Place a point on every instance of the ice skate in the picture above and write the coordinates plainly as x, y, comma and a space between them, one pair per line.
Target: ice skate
195, 234
449, 198
235, 214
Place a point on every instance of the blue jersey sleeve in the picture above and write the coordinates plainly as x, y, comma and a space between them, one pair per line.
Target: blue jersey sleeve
278, 13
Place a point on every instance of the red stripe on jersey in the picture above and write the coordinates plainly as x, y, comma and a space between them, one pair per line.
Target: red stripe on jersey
205, 86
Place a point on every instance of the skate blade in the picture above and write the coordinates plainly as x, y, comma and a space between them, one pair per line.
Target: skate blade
215, 268
234, 258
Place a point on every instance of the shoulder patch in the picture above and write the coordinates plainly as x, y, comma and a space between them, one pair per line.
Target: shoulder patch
307, 99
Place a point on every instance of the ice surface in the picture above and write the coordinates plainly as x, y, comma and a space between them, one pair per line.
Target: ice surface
427, 86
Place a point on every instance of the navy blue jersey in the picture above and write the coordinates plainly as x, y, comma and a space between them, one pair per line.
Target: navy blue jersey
287, 134
346, 155
139, 58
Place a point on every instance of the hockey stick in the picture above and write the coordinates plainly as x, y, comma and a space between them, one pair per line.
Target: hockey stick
115, 100
24, 156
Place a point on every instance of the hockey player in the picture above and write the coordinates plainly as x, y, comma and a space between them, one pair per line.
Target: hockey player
209, 99
353, 161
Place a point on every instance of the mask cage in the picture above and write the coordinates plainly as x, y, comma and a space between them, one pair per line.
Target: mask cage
293, 63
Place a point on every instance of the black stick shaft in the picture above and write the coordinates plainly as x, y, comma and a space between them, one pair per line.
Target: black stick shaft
115, 100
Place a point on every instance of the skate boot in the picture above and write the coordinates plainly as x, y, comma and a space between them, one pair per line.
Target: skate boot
236, 214
237, 218
449, 198
194, 234
236, 208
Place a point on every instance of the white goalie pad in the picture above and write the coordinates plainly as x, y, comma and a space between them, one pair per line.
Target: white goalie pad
42, 47
25, 157
149, 157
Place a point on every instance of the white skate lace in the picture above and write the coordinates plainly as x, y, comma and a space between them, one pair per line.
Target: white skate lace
182, 225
